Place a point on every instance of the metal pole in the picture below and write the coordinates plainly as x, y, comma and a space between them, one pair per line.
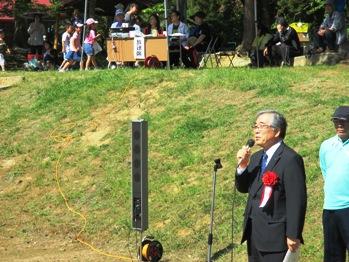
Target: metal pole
167, 38
210, 235
83, 36
256, 30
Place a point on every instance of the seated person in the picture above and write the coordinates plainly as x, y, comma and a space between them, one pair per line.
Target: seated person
118, 19
200, 34
176, 42
284, 44
259, 44
153, 27
199, 38
332, 31
49, 59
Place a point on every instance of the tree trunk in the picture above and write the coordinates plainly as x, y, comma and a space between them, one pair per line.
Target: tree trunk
91, 8
267, 12
248, 24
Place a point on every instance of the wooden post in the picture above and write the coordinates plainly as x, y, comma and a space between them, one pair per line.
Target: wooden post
55, 41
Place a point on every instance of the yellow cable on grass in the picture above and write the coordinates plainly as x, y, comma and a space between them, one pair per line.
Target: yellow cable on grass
81, 216
68, 139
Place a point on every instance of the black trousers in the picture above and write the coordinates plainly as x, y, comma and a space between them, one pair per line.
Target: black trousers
253, 57
175, 54
328, 40
254, 255
36, 49
283, 53
336, 234
190, 58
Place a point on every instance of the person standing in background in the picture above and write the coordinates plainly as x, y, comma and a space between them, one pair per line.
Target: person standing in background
334, 164
36, 32
69, 30
74, 53
90, 40
130, 15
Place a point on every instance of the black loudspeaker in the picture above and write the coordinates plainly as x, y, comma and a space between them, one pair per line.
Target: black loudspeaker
139, 175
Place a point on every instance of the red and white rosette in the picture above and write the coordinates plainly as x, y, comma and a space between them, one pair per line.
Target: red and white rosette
270, 179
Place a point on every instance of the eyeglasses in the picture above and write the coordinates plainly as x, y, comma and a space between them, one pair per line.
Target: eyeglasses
261, 127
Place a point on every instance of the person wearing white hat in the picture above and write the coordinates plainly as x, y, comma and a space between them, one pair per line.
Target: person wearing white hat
36, 33
90, 39
118, 19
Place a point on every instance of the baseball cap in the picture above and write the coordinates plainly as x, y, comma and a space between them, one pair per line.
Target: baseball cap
91, 21
78, 25
341, 113
119, 12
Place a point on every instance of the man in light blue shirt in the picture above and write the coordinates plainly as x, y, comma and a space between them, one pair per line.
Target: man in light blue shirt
334, 163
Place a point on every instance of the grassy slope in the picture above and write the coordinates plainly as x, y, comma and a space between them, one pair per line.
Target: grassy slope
194, 117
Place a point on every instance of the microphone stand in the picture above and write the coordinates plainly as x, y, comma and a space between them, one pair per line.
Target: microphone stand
216, 166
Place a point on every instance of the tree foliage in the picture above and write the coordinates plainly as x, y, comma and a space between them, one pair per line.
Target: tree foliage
224, 17
300, 10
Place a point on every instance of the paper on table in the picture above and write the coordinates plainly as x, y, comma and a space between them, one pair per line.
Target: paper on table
292, 256
177, 34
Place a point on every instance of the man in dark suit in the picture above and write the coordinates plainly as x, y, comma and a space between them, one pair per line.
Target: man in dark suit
274, 226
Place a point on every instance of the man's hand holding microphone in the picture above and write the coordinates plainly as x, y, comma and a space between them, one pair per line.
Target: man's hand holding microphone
244, 154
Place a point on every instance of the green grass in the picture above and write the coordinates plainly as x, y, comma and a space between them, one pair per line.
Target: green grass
194, 117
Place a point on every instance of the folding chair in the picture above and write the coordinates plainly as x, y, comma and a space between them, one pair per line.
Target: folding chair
207, 55
228, 54
227, 51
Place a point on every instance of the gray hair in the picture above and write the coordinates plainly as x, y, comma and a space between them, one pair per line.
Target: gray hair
279, 121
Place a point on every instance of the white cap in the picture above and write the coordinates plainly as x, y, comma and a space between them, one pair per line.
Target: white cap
91, 21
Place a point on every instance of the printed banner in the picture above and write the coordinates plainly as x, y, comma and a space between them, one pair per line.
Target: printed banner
139, 48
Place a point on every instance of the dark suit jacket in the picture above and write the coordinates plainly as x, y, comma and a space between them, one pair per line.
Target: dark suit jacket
283, 216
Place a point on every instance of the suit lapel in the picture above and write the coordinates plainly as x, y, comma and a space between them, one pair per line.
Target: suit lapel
255, 183
273, 161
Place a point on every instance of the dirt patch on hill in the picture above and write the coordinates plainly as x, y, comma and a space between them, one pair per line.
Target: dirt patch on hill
8, 81
129, 105
7, 163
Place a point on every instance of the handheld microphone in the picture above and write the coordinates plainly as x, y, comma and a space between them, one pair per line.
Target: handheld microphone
249, 144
